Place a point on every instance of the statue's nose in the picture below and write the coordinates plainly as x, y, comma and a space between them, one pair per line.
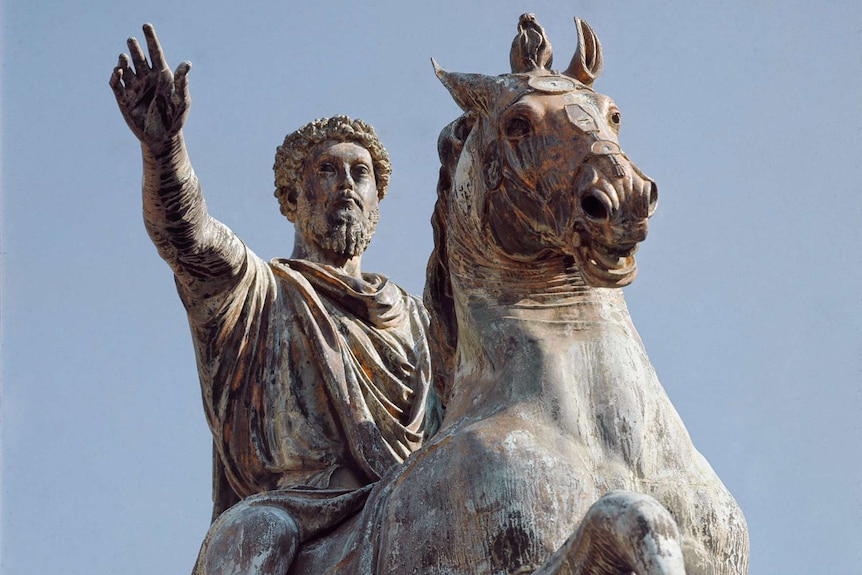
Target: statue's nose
345, 180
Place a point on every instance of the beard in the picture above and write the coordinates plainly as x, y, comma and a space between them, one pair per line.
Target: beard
343, 233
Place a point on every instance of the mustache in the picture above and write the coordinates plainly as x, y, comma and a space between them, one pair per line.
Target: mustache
345, 196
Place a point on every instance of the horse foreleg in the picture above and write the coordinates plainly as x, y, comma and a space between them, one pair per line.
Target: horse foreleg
623, 532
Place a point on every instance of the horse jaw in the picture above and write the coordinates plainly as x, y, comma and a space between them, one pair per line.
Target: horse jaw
606, 267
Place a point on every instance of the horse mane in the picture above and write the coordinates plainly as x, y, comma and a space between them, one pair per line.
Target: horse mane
531, 50
443, 332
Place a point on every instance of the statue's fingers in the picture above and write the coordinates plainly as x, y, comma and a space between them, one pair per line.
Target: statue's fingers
126, 74
180, 100
116, 83
181, 81
138, 58
157, 57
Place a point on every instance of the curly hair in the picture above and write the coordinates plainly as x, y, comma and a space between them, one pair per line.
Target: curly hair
291, 155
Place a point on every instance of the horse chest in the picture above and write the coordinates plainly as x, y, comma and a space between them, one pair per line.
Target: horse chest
591, 384
512, 488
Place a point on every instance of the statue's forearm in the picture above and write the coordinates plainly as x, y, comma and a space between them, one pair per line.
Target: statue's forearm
197, 247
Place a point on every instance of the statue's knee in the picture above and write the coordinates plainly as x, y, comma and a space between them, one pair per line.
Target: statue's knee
250, 539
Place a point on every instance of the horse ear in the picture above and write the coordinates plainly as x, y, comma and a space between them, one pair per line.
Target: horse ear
586, 64
531, 50
472, 92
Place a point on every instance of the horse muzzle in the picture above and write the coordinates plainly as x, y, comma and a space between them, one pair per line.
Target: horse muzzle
609, 188
613, 202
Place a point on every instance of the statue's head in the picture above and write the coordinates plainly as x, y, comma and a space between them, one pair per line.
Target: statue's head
330, 175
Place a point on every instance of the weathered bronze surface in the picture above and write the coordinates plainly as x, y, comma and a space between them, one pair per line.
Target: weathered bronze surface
314, 376
551, 400
559, 452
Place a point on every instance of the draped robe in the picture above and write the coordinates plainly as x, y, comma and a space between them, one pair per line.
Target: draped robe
306, 372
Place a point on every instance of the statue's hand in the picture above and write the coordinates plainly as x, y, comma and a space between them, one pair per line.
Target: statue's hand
153, 101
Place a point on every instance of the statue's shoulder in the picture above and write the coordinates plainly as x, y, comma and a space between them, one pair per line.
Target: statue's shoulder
413, 302
384, 283
293, 271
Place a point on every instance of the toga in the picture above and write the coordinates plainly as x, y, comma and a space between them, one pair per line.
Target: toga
308, 374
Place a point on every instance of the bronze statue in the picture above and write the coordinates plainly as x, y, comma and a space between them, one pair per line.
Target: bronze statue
315, 376
538, 218
559, 452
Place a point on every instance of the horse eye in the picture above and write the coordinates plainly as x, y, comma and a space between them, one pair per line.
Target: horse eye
517, 128
462, 128
615, 118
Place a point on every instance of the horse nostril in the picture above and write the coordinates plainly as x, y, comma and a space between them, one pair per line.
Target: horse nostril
653, 199
594, 208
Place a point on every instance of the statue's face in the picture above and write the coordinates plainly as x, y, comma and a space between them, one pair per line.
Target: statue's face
337, 209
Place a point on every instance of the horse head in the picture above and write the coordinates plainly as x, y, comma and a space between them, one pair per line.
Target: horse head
538, 162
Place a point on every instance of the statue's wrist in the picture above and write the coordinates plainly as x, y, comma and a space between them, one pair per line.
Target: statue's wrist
163, 149
169, 156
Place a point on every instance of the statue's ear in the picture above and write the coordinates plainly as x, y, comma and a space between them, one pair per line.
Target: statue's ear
287, 203
472, 92
586, 64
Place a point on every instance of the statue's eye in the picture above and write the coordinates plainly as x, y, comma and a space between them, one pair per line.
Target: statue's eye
615, 118
326, 169
517, 127
361, 170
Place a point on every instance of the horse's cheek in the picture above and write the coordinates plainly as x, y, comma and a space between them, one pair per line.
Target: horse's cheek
493, 170
523, 158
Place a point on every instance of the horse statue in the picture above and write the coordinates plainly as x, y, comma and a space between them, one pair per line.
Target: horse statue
560, 453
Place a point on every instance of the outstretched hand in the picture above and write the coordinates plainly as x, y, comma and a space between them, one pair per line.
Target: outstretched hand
153, 101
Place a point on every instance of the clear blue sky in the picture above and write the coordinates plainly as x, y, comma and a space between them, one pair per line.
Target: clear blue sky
749, 298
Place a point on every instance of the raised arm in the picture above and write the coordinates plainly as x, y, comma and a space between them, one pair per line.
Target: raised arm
204, 254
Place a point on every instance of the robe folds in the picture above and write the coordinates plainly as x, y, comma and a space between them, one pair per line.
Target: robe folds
305, 374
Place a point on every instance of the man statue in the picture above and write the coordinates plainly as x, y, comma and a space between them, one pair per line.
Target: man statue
315, 376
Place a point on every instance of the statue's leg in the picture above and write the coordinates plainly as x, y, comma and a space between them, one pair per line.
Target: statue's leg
249, 539
623, 532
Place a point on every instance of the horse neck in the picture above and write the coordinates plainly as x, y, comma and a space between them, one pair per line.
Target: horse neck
521, 331
521, 325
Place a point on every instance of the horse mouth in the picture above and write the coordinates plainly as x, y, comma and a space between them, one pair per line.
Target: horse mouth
606, 266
